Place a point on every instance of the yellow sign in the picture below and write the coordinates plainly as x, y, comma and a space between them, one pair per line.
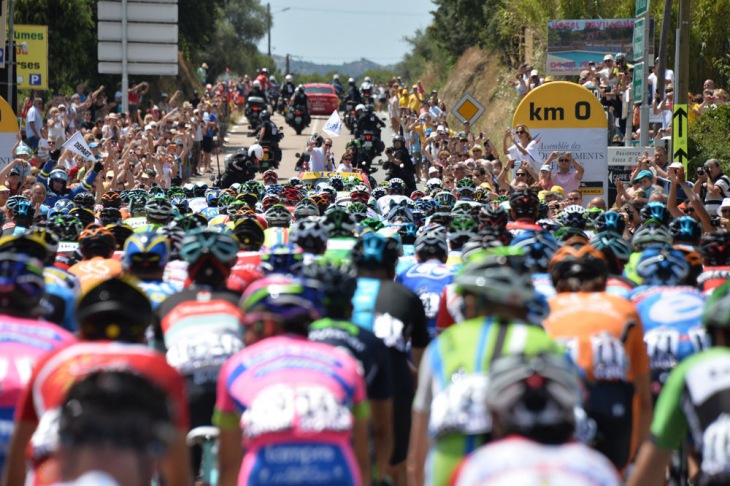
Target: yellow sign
467, 109
679, 135
591, 191
560, 104
31, 54
327, 175
8, 132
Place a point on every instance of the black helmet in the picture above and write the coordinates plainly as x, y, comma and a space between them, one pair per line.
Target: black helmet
524, 203
265, 115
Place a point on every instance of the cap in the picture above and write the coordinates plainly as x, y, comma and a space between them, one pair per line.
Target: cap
14, 171
558, 190
545, 168
641, 175
440, 129
163, 95
533, 72
608, 57
62, 107
682, 206
725, 204
676, 165
23, 150
4, 189
93, 145
433, 170
584, 74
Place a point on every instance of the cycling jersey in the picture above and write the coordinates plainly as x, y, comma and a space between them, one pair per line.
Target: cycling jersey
147, 227
276, 236
157, 291
295, 401
364, 346
517, 460
39, 404
176, 273
452, 382
246, 270
339, 249
695, 399
428, 281
92, 271
59, 300
713, 277
136, 221
604, 336
22, 343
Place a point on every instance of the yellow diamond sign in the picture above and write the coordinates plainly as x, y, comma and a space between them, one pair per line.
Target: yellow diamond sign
467, 109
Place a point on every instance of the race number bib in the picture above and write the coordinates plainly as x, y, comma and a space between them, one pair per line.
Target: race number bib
609, 357
203, 351
715, 450
460, 408
662, 347
390, 330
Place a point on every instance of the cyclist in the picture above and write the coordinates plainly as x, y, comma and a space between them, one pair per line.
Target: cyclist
694, 400
604, 335
145, 257
449, 404
200, 327
297, 405
430, 275
109, 420
247, 269
338, 286
158, 212
524, 206
532, 402
97, 246
113, 316
24, 338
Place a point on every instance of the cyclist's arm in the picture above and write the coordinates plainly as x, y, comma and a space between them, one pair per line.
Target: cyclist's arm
642, 381
418, 448
176, 463
650, 466
230, 456
382, 420
360, 441
15, 465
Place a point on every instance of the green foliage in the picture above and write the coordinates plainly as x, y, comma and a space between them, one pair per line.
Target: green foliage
708, 138
426, 55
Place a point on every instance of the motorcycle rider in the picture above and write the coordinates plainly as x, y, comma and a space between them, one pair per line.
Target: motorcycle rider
399, 163
339, 89
300, 100
269, 135
369, 121
257, 90
240, 169
263, 79
366, 88
287, 90
353, 94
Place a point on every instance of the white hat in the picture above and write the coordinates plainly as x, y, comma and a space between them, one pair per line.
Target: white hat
608, 57
440, 128
725, 204
533, 72
433, 170
545, 168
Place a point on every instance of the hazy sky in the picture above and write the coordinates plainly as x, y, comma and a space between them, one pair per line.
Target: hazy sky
336, 31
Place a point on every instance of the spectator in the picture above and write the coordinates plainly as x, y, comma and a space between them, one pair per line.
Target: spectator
33, 123
712, 185
569, 172
523, 147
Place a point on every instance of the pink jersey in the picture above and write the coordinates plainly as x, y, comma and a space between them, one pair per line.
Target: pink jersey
23, 342
295, 400
516, 460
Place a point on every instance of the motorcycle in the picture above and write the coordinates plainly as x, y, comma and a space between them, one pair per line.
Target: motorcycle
239, 169
350, 115
272, 153
371, 143
298, 119
254, 106
274, 99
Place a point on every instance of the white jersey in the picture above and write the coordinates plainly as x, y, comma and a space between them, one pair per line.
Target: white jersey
517, 461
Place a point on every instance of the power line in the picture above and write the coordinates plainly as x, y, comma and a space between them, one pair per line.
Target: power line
354, 12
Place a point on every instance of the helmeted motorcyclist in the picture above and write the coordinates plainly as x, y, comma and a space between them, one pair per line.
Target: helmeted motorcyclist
339, 89
269, 135
263, 79
368, 121
366, 88
257, 90
55, 181
353, 94
288, 88
301, 101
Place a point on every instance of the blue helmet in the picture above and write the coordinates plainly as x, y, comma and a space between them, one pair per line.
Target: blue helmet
538, 248
662, 266
146, 251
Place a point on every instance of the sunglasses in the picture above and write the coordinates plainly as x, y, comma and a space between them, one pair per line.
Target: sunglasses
574, 198
521, 174
328, 145
689, 210
346, 158
520, 132
563, 160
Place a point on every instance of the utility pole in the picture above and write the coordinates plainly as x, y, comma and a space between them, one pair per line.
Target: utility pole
681, 89
661, 66
288, 71
268, 24
10, 57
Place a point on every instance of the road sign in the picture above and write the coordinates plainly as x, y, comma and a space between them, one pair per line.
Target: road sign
638, 82
641, 7
638, 40
31, 56
468, 109
679, 135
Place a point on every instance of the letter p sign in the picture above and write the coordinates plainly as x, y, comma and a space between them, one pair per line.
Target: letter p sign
34, 79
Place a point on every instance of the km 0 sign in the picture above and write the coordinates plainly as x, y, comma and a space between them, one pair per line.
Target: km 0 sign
581, 111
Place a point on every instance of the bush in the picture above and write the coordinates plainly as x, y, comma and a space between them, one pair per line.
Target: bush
708, 136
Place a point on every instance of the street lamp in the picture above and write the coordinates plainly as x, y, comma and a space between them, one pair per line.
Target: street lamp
268, 11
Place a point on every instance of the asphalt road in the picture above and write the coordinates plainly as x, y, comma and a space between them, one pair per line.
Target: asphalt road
291, 144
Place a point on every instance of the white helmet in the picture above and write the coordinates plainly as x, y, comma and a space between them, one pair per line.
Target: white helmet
288, 77
336, 76
257, 84
255, 151
351, 80
359, 107
367, 79
301, 87
272, 78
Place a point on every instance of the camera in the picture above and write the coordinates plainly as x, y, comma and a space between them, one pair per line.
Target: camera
700, 171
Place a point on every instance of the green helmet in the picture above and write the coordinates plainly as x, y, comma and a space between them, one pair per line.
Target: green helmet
499, 275
717, 308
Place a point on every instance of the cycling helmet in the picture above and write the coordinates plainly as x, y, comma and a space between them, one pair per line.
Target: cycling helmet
662, 266
310, 234
270, 175
337, 284
30, 245
548, 225
145, 252
67, 228
717, 308
188, 222
406, 231
137, 205
535, 396
272, 189
461, 208
399, 213
442, 218
24, 213
264, 115
62, 206
337, 182
715, 249
305, 208
591, 215
96, 240
465, 182
111, 199
284, 259
524, 204
610, 221
249, 233
493, 215
278, 216
494, 236
175, 236
199, 189
189, 190
434, 185
378, 192
21, 282
569, 235
416, 195
584, 264
13, 201
461, 230
651, 233
613, 247
373, 250
499, 276
256, 152
290, 195
110, 215
685, 230
159, 210
339, 222
206, 245
445, 199
431, 243
358, 210
538, 248
175, 191
327, 190
656, 211
573, 216
86, 216
114, 309
290, 303
85, 200
399, 138
120, 232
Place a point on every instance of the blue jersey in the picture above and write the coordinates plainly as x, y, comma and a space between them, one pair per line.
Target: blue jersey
672, 320
210, 213
428, 280
157, 292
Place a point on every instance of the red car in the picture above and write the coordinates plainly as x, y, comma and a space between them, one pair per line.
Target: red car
322, 97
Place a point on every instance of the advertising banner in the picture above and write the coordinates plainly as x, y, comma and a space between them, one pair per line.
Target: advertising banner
31, 51
8, 132
572, 44
566, 117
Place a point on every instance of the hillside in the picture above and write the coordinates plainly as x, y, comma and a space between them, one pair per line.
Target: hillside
482, 75
353, 68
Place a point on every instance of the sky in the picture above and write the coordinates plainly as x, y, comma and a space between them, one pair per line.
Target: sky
337, 31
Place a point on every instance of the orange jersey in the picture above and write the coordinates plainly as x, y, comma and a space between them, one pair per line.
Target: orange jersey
602, 332
95, 270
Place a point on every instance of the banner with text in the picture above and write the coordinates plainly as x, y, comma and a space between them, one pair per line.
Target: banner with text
78, 145
31, 54
566, 117
572, 44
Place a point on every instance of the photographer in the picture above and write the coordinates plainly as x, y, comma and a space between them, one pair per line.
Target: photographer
399, 163
712, 185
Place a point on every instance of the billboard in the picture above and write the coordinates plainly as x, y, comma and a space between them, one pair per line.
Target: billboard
566, 117
572, 44
31, 55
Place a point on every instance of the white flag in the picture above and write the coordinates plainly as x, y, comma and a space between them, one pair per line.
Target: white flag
78, 145
333, 127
